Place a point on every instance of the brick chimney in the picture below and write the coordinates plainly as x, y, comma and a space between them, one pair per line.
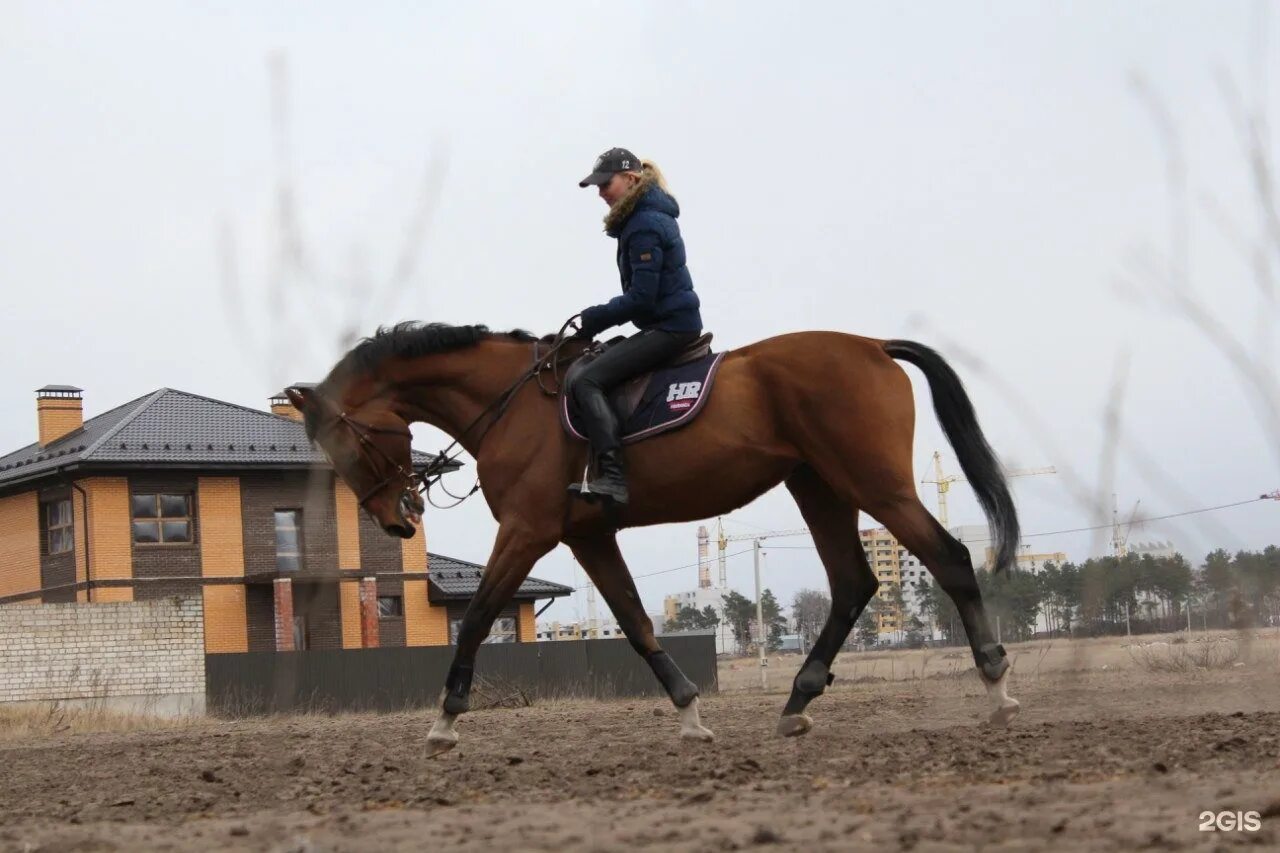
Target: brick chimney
280, 405
59, 412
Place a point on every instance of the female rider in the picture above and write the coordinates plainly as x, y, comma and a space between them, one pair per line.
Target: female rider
657, 297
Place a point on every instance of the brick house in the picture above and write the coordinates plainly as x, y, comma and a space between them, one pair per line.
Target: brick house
178, 493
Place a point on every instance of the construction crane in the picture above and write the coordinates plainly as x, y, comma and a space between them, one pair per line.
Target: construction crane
944, 481
1119, 533
723, 542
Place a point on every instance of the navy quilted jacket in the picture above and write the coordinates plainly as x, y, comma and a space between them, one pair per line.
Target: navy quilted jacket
657, 290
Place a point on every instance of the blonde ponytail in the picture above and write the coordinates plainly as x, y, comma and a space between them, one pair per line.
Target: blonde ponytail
650, 169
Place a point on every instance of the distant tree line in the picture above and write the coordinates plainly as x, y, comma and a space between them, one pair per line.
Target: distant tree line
1111, 595
1100, 596
739, 615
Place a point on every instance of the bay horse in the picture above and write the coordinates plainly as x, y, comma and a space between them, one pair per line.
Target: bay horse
829, 414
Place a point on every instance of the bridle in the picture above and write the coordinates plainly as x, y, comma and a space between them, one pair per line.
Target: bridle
416, 482
362, 431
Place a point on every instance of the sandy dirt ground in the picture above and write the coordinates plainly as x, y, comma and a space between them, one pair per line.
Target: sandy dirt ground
1121, 758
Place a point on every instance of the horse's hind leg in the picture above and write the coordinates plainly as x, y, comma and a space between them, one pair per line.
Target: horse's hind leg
603, 563
949, 562
833, 522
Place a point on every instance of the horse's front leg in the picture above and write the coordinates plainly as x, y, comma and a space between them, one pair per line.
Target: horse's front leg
603, 563
516, 549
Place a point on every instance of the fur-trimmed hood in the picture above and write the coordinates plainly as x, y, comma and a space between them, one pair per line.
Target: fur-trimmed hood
646, 193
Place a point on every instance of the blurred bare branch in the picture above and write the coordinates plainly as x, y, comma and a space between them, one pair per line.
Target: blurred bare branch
289, 232
1042, 431
1174, 289
314, 315
1175, 177
430, 190
1110, 449
232, 292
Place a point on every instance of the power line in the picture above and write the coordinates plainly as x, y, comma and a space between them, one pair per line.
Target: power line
1025, 536
1138, 521
1073, 529
673, 569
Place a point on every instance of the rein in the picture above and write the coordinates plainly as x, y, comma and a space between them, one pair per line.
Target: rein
433, 472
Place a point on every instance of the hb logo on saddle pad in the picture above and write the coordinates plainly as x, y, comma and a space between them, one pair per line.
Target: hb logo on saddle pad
652, 403
682, 395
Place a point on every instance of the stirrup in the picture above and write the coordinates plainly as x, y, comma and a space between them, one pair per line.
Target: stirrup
583, 490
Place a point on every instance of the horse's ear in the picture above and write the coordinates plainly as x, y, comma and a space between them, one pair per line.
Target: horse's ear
300, 397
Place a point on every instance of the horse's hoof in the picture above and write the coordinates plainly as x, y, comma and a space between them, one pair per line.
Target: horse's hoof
794, 725
439, 745
697, 733
1001, 717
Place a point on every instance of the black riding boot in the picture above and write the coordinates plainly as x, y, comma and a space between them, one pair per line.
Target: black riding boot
602, 428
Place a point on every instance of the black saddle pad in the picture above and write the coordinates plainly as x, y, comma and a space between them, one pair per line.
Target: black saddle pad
667, 399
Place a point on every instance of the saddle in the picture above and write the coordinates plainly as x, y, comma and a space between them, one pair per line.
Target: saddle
652, 403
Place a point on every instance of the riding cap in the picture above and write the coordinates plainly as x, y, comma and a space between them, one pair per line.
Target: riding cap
610, 163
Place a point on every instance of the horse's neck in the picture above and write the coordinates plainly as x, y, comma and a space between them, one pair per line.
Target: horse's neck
452, 391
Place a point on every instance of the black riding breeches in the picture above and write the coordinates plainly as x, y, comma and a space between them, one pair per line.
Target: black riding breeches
624, 360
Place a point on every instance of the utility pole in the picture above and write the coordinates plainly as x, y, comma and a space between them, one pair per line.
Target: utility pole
592, 631
760, 632
756, 538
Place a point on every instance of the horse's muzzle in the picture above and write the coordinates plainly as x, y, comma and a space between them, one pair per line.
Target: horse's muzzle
410, 511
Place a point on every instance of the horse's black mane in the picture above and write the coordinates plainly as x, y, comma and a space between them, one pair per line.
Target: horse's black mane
411, 339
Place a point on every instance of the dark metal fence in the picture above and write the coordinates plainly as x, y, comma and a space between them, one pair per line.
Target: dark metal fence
395, 679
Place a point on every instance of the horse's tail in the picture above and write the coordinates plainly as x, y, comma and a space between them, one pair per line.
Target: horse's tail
977, 459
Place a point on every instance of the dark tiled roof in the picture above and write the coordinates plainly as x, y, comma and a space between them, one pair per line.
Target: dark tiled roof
70, 448
452, 578
169, 427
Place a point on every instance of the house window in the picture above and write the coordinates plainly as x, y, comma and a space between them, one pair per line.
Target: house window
390, 607
503, 630
288, 540
58, 527
162, 519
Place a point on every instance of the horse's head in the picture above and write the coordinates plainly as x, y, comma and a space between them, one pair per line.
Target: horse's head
369, 446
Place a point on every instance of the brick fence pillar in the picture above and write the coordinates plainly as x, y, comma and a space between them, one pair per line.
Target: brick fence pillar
369, 613
284, 614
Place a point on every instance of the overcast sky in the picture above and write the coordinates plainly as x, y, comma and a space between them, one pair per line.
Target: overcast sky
980, 177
